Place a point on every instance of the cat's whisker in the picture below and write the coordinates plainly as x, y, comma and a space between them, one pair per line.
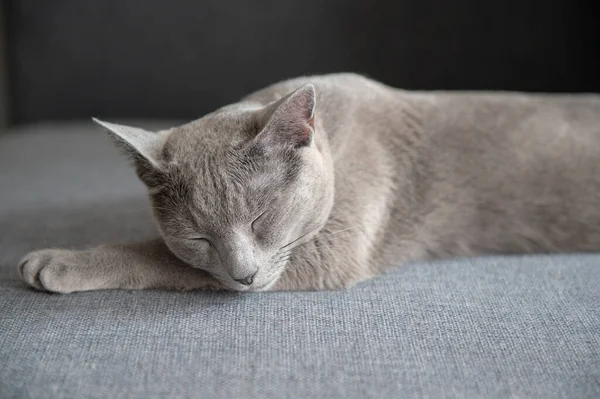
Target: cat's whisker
327, 246
315, 245
283, 257
323, 240
298, 245
302, 236
339, 231
291, 250
295, 247
280, 263
320, 237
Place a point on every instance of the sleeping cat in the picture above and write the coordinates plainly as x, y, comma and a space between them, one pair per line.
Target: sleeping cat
322, 182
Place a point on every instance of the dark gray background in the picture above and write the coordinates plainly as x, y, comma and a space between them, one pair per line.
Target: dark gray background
181, 59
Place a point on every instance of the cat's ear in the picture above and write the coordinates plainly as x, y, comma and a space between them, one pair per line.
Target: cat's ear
291, 120
143, 146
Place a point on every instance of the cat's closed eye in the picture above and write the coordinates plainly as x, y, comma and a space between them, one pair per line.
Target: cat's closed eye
202, 240
253, 224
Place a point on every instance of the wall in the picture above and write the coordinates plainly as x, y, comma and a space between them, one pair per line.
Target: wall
155, 59
4, 109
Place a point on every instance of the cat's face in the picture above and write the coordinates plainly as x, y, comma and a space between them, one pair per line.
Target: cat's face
233, 191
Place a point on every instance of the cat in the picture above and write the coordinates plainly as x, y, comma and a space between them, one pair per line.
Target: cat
322, 182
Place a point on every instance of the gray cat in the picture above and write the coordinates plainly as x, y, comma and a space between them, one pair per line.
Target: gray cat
322, 182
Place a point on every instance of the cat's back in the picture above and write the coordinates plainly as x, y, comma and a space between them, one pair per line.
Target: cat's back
508, 125
331, 89
360, 113
494, 109
340, 92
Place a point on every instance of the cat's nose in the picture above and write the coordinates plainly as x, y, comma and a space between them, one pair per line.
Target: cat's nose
246, 280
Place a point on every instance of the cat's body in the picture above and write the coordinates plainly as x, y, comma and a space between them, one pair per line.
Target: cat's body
369, 178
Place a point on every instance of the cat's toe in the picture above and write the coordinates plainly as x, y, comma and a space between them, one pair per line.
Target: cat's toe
49, 270
31, 266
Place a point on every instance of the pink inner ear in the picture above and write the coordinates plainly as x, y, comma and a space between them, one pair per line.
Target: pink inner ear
311, 122
293, 121
309, 127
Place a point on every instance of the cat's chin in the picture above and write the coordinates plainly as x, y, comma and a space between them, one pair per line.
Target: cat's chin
254, 287
264, 287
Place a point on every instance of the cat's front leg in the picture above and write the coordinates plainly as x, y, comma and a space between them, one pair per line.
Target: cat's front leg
134, 266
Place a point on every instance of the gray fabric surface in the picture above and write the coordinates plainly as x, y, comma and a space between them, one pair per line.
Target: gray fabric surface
523, 327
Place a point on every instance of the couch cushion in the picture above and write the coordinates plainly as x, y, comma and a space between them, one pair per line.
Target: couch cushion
486, 327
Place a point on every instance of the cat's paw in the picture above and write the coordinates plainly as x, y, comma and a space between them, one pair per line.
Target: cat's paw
54, 270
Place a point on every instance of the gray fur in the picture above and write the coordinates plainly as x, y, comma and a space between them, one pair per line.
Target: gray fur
322, 182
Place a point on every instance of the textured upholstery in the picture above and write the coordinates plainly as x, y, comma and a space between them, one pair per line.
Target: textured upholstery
522, 327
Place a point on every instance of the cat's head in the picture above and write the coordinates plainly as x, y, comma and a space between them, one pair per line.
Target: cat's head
233, 190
